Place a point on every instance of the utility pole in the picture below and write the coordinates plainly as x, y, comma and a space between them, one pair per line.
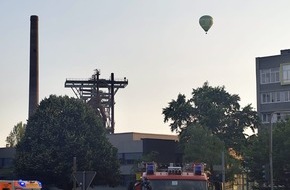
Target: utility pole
223, 171
74, 173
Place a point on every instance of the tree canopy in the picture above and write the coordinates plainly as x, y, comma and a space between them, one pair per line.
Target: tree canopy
16, 134
201, 145
215, 109
63, 128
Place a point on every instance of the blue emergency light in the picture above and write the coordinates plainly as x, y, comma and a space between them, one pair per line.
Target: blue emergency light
21, 183
198, 169
150, 168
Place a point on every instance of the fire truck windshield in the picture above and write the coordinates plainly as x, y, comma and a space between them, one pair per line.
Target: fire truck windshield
178, 185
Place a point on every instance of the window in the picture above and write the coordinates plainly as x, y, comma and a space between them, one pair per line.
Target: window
264, 98
273, 97
278, 115
286, 96
268, 97
278, 94
268, 76
266, 117
285, 73
262, 77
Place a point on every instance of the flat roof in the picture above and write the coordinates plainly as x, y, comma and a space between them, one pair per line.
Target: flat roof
140, 136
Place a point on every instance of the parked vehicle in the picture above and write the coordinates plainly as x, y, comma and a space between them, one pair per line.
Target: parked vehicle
20, 185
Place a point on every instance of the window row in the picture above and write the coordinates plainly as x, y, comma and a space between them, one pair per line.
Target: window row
276, 75
275, 97
266, 117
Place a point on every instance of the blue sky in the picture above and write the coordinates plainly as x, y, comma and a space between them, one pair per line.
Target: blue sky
157, 45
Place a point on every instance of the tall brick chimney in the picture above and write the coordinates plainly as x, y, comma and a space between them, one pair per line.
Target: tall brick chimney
33, 72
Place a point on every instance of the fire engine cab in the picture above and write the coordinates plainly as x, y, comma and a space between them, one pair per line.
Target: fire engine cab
20, 185
189, 177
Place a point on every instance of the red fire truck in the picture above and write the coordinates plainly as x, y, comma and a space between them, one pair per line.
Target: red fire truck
20, 185
189, 177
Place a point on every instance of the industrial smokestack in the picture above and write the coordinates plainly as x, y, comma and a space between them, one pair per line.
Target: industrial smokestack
33, 75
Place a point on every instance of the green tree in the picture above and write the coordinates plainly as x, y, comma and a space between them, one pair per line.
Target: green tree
63, 128
180, 112
256, 156
16, 134
201, 145
215, 109
281, 153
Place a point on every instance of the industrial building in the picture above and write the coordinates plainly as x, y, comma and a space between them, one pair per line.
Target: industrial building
133, 146
6, 162
273, 86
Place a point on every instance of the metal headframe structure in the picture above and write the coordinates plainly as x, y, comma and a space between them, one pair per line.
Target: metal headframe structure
99, 93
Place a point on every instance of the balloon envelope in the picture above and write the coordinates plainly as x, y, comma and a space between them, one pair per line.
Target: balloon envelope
206, 22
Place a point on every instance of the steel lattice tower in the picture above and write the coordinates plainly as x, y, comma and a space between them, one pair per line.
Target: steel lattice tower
99, 93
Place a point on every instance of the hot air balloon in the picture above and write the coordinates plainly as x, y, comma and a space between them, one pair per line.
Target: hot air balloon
206, 22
